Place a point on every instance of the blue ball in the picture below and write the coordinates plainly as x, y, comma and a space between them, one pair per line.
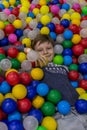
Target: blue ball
55, 2
42, 89
31, 14
2, 6
4, 41
5, 87
19, 32
74, 84
81, 106
66, 6
31, 92
85, 76
34, 83
51, 26
39, 25
65, 23
37, 114
67, 60
15, 116
9, 105
83, 68
15, 125
67, 51
53, 35
68, 34
63, 107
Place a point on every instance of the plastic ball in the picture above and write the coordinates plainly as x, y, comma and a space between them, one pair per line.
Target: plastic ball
5, 87
24, 105
73, 67
37, 114
53, 35
2, 26
10, 70
73, 75
59, 38
2, 51
25, 78
82, 58
38, 101
76, 39
78, 50
7, 11
2, 56
66, 6
4, 41
9, 28
83, 33
74, 28
1, 98
45, 19
11, 18
19, 91
21, 56
83, 42
12, 78
65, 23
80, 91
58, 49
3, 126
67, 44
59, 29
14, 116
68, 34
67, 60
83, 24
44, 9
49, 122
83, 84
83, 68
75, 15
19, 32
12, 38
9, 95
55, 9
74, 84
58, 59
41, 128
27, 42
67, 51
83, 96
63, 107
32, 55
15, 63
15, 125
48, 109
26, 65
5, 64
84, 10
9, 106
54, 96
37, 73
81, 106
1, 34
17, 24
30, 123
15, 11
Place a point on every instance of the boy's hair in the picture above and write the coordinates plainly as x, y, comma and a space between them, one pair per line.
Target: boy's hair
42, 38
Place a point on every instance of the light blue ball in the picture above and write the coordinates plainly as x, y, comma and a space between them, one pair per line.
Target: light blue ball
68, 34
42, 89
5, 87
74, 84
15, 116
67, 60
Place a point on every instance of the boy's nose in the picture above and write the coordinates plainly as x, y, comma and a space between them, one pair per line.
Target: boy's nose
45, 50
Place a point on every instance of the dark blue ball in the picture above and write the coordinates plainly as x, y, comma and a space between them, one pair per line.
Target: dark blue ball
37, 114
39, 25
2, 6
34, 83
83, 68
67, 51
55, 1
15, 125
81, 106
65, 23
9, 105
4, 41
51, 26
19, 32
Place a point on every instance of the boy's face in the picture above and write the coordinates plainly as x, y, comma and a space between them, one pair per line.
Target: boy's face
46, 49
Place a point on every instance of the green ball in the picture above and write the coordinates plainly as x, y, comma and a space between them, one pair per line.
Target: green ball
6, 23
2, 56
84, 10
48, 109
41, 128
67, 44
58, 59
73, 67
85, 51
15, 63
54, 96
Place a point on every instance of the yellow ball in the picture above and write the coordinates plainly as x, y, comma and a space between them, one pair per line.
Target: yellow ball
1, 98
83, 96
2, 25
12, 2
6, 4
49, 122
21, 56
45, 30
75, 15
9, 95
80, 91
71, 11
26, 4
37, 73
24, 9
19, 91
76, 22
66, 16
17, 24
27, 42
44, 9
10, 70
42, 2
35, 11
76, 38
38, 102
28, 19
45, 19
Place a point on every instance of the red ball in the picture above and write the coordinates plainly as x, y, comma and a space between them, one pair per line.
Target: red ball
9, 29
12, 78
24, 105
83, 84
59, 29
3, 115
12, 52
74, 60
84, 17
2, 51
74, 28
15, 11
25, 78
73, 75
17, 43
83, 42
78, 50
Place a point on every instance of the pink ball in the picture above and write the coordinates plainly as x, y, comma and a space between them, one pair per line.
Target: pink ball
7, 11
76, 6
32, 6
55, 9
12, 38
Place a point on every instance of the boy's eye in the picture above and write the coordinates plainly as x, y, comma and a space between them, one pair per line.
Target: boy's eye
39, 50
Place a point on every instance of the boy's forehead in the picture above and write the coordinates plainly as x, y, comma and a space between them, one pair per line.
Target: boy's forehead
43, 42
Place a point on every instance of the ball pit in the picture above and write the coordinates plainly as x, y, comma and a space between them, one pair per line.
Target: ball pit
20, 90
